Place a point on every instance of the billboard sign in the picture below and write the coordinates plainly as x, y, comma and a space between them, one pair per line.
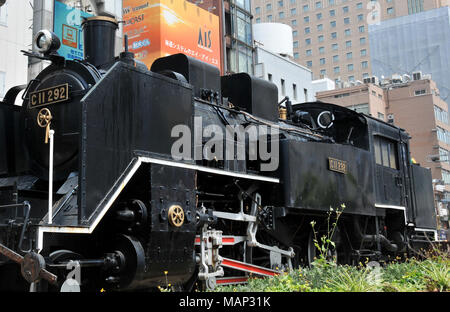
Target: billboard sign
157, 28
67, 26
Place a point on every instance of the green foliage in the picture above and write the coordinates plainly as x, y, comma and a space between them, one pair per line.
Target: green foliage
411, 276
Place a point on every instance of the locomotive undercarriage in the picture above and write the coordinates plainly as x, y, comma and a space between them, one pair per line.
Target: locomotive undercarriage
238, 227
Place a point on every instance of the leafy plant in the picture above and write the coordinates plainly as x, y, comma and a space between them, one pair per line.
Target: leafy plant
326, 243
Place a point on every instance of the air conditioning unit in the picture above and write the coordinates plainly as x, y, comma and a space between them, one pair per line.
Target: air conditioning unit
374, 80
417, 75
346, 84
406, 78
358, 82
366, 80
396, 78
427, 76
390, 118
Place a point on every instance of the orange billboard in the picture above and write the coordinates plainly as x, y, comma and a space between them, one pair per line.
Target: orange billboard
164, 27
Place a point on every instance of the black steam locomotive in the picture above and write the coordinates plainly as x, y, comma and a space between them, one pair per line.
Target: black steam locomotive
111, 177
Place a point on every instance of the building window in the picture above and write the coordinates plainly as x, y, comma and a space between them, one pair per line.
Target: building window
305, 93
319, 16
307, 30
320, 38
2, 84
365, 75
306, 19
361, 29
269, 77
331, 2
360, 17
420, 92
308, 41
268, 6
309, 64
280, 3
381, 116
347, 20
443, 135
258, 20
415, 6
345, 9
293, 1
318, 5
296, 55
333, 35
359, 5
281, 14
349, 55
294, 91
334, 46
320, 27
333, 24
348, 43
294, 22
363, 52
336, 70
4, 15
293, 12
321, 50
347, 32
294, 33
364, 64
322, 61
362, 41
283, 88
335, 58
308, 52
305, 8
390, 10
269, 18
350, 67
295, 44
385, 152
257, 10
445, 176
323, 72
441, 114
443, 155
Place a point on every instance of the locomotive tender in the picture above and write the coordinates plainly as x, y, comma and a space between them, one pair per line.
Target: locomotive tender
90, 190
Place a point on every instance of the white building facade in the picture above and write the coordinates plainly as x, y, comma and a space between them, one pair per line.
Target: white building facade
16, 18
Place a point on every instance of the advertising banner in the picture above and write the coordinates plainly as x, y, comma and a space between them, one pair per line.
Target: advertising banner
67, 26
159, 28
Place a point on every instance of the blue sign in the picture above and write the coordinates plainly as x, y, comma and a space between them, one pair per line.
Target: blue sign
67, 26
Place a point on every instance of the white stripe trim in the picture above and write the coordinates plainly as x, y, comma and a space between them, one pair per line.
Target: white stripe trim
85, 230
207, 169
390, 206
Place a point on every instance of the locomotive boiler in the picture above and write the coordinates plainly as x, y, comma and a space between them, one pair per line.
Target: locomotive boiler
119, 177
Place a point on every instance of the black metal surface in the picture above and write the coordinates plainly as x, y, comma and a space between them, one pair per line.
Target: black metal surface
66, 119
425, 213
256, 96
308, 183
199, 74
129, 110
99, 41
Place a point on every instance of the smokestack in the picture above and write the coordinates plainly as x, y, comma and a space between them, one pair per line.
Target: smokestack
99, 40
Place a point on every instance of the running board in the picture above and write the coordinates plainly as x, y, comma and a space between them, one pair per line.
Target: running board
247, 267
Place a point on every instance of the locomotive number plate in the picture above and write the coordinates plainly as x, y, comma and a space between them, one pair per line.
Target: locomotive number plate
48, 96
337, 165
